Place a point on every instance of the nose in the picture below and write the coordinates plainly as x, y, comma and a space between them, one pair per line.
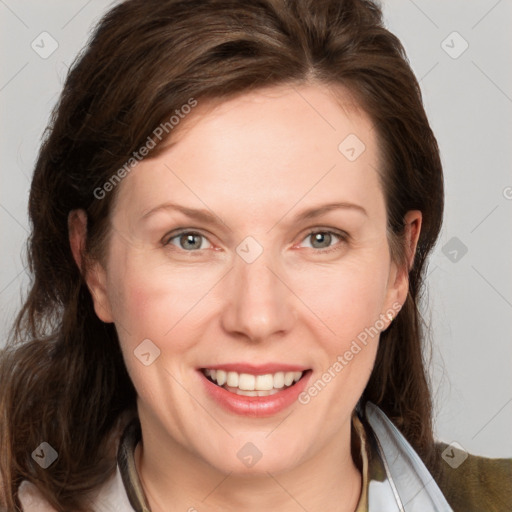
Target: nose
259, 303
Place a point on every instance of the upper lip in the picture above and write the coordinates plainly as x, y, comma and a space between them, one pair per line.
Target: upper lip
257, 369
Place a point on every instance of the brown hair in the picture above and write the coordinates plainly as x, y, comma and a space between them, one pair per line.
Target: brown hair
62, 377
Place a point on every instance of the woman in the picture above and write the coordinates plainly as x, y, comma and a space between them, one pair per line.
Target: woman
276, 361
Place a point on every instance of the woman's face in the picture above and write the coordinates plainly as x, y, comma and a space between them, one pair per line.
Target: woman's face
251, 274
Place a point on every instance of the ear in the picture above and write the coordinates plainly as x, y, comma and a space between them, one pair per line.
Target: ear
93, 272
412, 221
398, 285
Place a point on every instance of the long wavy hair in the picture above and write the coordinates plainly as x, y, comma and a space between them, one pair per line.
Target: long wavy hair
62, 375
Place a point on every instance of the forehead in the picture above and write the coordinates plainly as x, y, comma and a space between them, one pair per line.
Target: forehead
277, 144
288, 119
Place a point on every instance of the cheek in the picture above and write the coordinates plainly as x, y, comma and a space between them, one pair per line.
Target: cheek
149, 302
349, 302
347, 298
155, 301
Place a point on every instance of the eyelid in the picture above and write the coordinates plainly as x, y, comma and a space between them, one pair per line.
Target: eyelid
166, 240
343, 235
335, 231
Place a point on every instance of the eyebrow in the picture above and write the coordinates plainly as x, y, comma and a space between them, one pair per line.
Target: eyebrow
207, 216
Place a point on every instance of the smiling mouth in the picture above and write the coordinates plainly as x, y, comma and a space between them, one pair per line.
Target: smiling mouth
247, 384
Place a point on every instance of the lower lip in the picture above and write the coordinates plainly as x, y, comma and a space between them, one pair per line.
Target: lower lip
256, 406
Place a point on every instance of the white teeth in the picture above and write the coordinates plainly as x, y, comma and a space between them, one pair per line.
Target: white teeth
221, 377
246, 381
267, 384
246, 392
279, 380
232, 379
288, 378
264, 382
256, 393
267, 393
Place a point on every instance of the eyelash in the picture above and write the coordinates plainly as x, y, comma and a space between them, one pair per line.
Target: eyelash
343, 236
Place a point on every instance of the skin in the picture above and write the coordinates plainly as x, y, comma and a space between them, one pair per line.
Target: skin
255, 161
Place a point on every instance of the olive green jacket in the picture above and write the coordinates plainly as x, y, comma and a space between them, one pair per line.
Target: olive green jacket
478, 484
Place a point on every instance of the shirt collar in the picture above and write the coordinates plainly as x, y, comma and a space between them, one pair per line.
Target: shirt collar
126, 463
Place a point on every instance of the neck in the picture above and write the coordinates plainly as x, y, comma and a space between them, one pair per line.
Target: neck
173, 478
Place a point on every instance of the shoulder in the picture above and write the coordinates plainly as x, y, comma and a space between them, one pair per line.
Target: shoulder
473, 483
31, 499
110, 497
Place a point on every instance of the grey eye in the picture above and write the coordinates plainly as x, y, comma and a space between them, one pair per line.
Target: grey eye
322, 238
188, 241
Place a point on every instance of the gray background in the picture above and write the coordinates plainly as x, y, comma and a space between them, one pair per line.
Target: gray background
468, 98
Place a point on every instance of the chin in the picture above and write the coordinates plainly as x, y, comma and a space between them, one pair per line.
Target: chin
253, 455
